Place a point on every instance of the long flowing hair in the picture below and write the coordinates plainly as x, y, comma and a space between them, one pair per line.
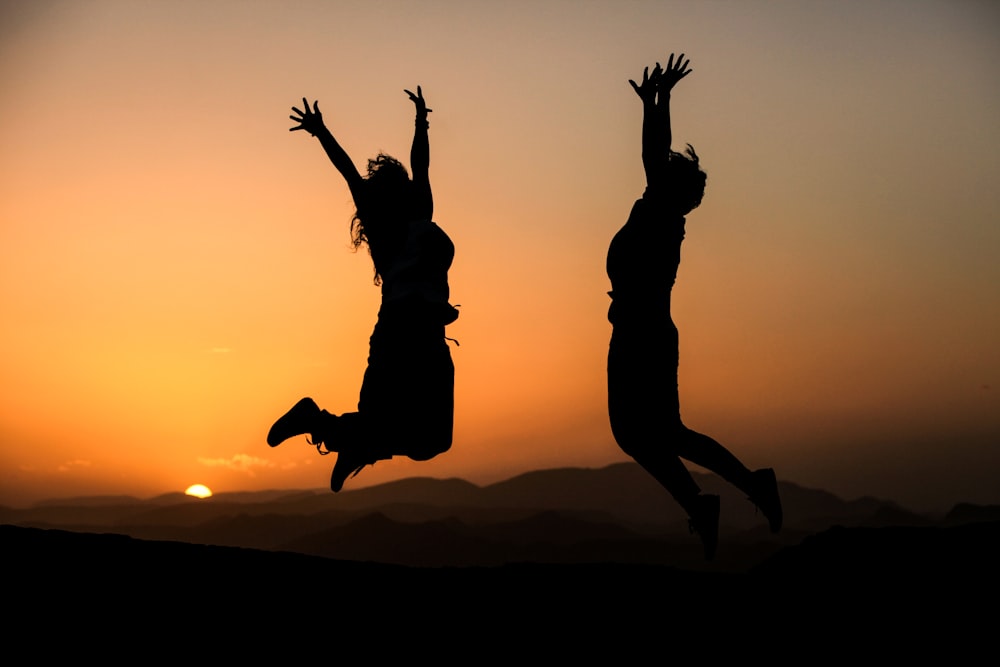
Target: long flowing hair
379, 221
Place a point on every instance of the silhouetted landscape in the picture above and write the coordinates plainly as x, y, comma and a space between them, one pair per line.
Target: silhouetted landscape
588, 546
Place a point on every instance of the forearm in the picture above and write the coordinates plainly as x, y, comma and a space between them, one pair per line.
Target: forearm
656, 135
420, 152
339, 157
655, 144
663, 122
420, 158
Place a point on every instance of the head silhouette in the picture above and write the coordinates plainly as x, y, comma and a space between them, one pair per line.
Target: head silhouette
684, 183
380, 222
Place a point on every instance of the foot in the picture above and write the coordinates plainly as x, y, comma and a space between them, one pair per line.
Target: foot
764, 495
705, 521
301, 419
349, 463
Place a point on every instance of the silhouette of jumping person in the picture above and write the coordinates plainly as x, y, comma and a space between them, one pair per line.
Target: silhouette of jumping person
406, 403
643, 401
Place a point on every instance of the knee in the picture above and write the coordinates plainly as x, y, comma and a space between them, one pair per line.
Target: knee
431, 432
430, 447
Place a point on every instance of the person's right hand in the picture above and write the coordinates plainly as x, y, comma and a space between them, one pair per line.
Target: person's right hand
309, 120
647, 89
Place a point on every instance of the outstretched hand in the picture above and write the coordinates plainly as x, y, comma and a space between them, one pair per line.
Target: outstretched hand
647, 89
418, 101
309, 120
674, 72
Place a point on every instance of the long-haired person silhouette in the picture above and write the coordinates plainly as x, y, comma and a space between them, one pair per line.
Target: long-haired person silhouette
643, 401
406, 405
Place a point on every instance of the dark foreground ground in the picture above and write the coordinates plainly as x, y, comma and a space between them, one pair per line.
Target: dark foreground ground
889, 592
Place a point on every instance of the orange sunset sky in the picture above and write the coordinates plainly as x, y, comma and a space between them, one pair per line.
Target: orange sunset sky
176, 271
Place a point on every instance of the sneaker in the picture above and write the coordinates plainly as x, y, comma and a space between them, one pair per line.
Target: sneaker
765, 497
705, 521
349, 464
301, 419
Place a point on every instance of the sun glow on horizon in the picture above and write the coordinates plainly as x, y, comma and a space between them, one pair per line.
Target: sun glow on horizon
200, 279
199, 491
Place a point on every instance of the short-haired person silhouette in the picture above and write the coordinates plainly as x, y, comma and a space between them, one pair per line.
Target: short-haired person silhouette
643, 401
406, 404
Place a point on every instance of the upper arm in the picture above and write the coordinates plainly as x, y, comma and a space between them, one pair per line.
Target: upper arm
423, 199
420, 159
344, 164
355, 184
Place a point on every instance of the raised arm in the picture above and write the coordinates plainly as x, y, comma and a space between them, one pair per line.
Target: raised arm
654, 91
674, 72
653, 156
311, 120
420, 157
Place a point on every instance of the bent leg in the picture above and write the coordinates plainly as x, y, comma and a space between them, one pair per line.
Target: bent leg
644, 410
668, 469
643, 405
406, 405
407, 402
708, 453
760, 486
670, 472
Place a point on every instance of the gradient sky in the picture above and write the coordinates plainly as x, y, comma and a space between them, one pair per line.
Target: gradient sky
175, 269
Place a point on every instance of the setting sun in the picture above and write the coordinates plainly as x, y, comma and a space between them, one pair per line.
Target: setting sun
199, 491
175, 291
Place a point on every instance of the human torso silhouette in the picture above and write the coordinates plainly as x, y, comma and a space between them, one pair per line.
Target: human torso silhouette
418, 278
642, 264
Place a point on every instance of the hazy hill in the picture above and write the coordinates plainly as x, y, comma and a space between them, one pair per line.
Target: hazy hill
571, 515
623, 491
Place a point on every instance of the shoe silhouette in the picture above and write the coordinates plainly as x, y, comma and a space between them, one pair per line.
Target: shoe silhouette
302, 418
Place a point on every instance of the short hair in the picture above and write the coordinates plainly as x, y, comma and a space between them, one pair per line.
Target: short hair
687, 179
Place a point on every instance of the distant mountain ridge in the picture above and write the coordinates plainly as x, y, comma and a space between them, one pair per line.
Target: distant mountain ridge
613, 514
623, 490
